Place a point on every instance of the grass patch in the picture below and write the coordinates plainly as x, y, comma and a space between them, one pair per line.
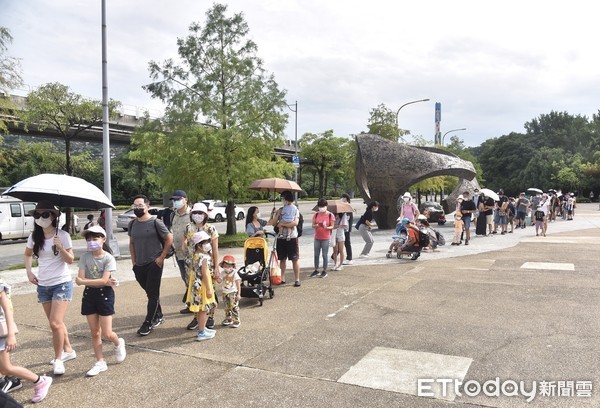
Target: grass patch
232, 241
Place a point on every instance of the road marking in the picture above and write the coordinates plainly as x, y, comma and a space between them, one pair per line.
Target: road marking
554, 266
398, 370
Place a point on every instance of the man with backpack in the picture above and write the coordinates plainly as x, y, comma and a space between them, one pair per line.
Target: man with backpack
412, 246
287, 220
149, 244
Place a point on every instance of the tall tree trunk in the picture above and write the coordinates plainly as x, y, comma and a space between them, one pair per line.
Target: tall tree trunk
68, 165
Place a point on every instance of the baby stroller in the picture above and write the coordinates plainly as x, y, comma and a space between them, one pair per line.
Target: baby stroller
256, 269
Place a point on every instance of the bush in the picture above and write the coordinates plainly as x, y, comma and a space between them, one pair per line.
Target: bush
232, 241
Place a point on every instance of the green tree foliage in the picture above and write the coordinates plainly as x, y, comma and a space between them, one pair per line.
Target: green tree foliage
325, 156
10, 78
53, 107
219, 82
382, 122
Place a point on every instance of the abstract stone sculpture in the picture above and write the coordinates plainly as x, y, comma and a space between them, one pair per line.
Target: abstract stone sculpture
385, 170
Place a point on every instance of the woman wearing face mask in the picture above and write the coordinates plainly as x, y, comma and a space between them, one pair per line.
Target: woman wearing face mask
198, 222
409, 208
322, 222
254, 224
364, 226
54, 251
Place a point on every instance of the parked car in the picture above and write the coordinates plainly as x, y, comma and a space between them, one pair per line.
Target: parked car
433, 211
124, 219
216, 210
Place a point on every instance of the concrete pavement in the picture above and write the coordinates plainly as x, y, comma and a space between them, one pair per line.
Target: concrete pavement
516, 307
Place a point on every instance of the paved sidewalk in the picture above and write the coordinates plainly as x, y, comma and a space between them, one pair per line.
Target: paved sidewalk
516, 307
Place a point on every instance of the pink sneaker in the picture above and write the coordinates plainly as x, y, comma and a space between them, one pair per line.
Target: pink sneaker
41, 388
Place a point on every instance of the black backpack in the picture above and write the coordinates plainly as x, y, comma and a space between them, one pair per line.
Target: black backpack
423, 239
300, 224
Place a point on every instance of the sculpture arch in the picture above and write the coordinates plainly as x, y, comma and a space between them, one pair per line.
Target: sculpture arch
385, 170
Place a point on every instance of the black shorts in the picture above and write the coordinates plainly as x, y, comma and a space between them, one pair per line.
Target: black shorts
287, 249
100, 301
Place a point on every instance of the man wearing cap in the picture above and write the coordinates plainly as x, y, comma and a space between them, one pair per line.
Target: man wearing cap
181, 218
149, 243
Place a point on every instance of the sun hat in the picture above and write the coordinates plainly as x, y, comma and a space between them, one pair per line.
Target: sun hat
95, 229
199, 237
199, 207
45, 206
407, 194
422, 217
228, 259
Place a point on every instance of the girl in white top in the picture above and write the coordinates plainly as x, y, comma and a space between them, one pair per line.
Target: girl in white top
53, 249
340, 228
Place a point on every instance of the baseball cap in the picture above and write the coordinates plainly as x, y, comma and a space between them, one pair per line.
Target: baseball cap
178, 194
96, 229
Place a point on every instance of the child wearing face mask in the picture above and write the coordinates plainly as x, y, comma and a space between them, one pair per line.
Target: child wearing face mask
231, 290
98, 303
201, 293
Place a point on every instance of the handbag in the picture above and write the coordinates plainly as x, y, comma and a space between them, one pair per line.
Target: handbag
275, 272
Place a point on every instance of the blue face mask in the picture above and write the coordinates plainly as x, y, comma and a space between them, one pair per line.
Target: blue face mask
178, 204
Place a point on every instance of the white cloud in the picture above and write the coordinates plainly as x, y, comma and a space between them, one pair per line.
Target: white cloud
493, 66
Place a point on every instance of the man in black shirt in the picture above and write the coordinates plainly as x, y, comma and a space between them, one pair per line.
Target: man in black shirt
467, 209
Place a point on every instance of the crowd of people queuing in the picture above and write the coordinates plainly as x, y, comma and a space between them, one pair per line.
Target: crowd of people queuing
195, 244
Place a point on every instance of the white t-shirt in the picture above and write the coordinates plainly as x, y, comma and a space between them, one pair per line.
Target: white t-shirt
228, 285
52, 269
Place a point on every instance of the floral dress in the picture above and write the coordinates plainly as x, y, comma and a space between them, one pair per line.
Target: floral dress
196, 294
190, 230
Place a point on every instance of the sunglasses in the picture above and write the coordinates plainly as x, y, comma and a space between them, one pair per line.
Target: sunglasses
45, 214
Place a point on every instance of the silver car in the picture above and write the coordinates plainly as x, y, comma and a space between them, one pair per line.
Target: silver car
124, 219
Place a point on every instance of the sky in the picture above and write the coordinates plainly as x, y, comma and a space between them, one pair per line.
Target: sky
493, 66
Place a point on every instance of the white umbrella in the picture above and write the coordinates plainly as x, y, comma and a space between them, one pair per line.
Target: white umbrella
489, 193
60, 190
534, 190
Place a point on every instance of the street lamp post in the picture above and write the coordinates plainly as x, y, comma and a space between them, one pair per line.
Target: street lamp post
407, 103
453, 130
296, 165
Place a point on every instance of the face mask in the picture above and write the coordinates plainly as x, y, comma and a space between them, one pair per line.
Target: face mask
322, 209
229, 271
375, 209
198, 218
257, 215
206, 247
405, 199
178, 204
139, 212
93, 245
44, 222
283, 201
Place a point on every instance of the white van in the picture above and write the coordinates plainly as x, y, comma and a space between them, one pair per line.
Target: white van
15, 222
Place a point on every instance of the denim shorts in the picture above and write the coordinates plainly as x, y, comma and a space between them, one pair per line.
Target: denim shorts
2, 343
62, 291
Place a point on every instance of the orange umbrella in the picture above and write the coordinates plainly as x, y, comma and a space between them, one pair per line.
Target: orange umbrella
275, 184
336, 207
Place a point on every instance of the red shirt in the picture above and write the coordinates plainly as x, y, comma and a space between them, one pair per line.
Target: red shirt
321, 232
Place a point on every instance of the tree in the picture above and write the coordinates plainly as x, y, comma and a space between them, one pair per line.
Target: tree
325, 154
218, 81
10, 76
53, 106
383, 122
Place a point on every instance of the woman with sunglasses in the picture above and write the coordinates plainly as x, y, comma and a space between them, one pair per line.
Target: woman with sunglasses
54, 251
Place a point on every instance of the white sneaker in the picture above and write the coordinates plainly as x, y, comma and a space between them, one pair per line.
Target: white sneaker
66, 356
59, 367
99, 367
364, 256
347, 262
339, 267
120, 351
205, 335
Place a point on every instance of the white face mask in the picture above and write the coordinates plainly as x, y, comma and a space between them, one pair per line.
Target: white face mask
405, 199
198, 218
44, 222
257, 214
283, 201
322, 209
375, 209
206, 247
229, 270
